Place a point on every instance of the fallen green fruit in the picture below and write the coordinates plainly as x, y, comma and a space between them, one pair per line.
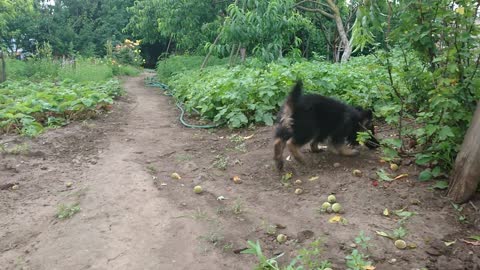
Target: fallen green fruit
198, 189
326, 205
400, 244
281, 238
331, 199
336, 207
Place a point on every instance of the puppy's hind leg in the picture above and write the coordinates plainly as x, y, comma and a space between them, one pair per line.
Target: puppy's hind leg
278, 146
295, 150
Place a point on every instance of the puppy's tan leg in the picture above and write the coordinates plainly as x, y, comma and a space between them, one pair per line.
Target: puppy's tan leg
345, 150
295, 150
278, 146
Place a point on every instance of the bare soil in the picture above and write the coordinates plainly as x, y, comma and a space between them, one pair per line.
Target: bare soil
134, 215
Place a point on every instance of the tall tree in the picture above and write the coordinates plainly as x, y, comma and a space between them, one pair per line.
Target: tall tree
332, 10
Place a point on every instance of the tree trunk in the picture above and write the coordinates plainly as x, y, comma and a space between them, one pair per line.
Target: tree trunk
3, 72
205, 60
466, 173
347, 47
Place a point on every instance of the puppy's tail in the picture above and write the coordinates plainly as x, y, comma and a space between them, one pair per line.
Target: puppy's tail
295, 94
286, 120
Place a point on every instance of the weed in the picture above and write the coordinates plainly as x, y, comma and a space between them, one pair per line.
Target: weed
221, 210
237, 139
199, 214
286, 178
213, 237
310, 257
362, 240
18, 149
151, 169
237, 207
67, 211
227, 247
241, 148
461, 217
357, 261
264, 262
183, 157
399, 233
220, 162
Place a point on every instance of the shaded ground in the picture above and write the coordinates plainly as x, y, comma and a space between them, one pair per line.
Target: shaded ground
135, 216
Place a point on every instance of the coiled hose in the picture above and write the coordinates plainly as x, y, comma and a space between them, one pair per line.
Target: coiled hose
152, 82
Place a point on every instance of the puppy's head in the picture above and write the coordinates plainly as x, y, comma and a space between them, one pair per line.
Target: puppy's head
366, 124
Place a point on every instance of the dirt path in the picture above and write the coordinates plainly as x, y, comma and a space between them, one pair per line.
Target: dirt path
124, 222
135, 216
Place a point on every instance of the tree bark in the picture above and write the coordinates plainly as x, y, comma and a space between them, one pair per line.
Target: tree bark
466, 173
3, 73
205, 60
347, 47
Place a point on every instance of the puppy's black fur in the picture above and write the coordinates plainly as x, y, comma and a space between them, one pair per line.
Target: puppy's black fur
314, 118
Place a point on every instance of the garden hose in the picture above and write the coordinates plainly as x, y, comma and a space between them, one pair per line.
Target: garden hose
152, 82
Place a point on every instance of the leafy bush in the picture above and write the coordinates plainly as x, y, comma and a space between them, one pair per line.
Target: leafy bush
436, 111
248, 94
28, 107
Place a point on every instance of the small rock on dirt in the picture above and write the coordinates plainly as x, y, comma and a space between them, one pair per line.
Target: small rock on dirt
336, 164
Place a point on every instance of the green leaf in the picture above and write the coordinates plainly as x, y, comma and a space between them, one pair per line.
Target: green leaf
425, 175
436, 171
441, 184
422, 159
445, 132
475, 237
383, 175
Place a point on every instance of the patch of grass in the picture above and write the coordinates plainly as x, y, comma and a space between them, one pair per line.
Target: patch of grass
237, 207
213, 237
87, 70
67, 211
152, 170
199, 214
183, 157
308, 258
18, 149
221, 162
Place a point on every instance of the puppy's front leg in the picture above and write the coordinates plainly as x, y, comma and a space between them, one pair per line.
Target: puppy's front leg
278, 146
295, 150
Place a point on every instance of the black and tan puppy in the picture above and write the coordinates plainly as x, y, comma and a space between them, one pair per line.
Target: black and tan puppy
314, 118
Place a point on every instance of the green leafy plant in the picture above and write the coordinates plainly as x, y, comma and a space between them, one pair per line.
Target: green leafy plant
358, 260
28, 108
264, 262
362, 240
67, 211
310, 257
461, 217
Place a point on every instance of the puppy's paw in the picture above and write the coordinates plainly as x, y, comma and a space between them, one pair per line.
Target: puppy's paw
279, 164
344, 150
